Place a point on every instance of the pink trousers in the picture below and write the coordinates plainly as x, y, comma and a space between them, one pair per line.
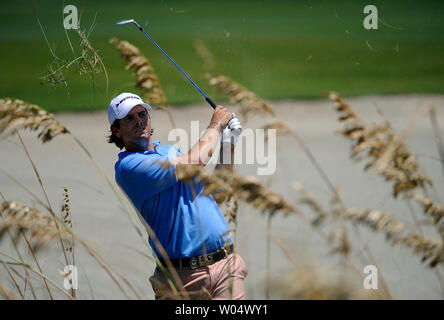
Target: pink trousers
223, 280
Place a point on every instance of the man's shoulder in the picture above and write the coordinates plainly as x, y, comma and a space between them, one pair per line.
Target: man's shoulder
129, 160
168, 150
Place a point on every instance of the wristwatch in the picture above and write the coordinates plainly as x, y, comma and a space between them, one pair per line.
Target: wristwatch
217, 122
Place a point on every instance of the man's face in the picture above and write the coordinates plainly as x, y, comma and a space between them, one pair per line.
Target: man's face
135, 129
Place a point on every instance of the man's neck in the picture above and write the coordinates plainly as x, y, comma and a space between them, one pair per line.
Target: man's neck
137, 148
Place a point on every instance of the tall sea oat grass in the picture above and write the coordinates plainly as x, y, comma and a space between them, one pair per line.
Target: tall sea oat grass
18, 218
437, 134
67, 218
35, 228
390, 158
88, 62
385, 146
33, 117
434, 210
308, 199
51, 211
432, 251
15, 113
252, 104
223, 183
314, 283
232, 207
147, 80
25, 222
386, 151
68, 222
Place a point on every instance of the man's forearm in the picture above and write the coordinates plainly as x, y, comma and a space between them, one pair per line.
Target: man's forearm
203, 150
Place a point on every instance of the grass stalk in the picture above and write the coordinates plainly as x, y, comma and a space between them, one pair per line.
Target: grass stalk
328, 182
5, 292
112, 185
45, 194
14, 243
120, 196
21, 185
437, 134
414, 217
252, 104
31, 250
103, 265
40, 274
12, 278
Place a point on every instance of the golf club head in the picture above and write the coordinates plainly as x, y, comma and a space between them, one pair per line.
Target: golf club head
125, 21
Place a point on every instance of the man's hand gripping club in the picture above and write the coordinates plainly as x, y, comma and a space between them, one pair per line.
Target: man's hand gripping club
232, 131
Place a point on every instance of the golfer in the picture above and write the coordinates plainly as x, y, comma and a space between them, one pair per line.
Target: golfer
188, 224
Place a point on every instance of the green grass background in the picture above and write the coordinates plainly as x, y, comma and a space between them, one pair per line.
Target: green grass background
279, 49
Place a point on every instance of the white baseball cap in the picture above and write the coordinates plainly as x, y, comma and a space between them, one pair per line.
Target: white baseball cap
122, 104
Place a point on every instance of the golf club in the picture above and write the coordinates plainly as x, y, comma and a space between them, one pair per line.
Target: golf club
207, 98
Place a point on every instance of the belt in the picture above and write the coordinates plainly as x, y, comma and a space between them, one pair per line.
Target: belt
201, 261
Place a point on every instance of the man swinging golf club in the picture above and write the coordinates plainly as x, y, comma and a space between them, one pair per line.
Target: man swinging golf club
187, 223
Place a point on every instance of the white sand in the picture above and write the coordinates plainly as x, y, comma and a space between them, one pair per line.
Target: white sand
99, 219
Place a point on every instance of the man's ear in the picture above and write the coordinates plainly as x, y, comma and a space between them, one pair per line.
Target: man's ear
115, 131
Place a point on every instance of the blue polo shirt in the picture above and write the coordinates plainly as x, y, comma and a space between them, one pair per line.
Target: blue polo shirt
182, 222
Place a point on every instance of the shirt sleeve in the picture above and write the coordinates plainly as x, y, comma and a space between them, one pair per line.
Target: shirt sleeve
146, 176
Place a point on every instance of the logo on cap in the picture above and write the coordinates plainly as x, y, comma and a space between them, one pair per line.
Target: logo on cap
129, 97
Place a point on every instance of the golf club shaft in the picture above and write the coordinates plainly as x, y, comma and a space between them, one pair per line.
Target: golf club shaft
207, 98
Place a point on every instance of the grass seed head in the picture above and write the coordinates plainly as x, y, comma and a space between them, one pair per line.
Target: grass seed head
250, 103
146, 79
223, 183
15, 113
387, 152
18, 218
431, 251
313, 283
